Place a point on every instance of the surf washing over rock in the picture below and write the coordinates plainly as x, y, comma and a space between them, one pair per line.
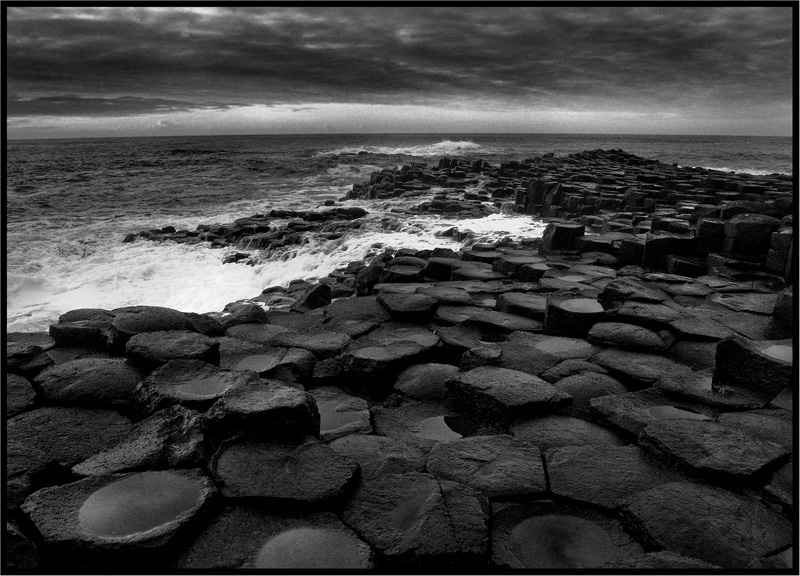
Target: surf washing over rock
65, 218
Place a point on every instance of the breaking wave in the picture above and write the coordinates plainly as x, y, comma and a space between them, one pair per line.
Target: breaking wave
443, 148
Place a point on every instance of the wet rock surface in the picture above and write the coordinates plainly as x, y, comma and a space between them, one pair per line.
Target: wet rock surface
635, 365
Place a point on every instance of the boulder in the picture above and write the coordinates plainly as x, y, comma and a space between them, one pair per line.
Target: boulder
497, 466
413, 519
504, 322
587, 385
315, 296
708, 523
171, 438
571, 367
637, 369
153, 349
292, 473
90, 382
445, 295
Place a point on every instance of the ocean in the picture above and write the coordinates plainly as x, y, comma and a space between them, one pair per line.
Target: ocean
69, 203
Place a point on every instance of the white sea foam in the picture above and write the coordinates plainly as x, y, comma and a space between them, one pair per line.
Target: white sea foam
751, 171
99, 271
443, 148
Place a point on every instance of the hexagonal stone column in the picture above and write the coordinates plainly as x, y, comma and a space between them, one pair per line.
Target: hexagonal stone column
111, 521
712, 524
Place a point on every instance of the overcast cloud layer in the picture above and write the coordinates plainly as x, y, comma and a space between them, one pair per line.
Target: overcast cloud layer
726, 65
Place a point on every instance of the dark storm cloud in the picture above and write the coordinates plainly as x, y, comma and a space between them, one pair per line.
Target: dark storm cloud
70, 105
637, 58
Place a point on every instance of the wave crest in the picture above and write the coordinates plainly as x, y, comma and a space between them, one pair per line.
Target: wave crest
443, 148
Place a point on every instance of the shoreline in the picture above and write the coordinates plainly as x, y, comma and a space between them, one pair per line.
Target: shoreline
626, 376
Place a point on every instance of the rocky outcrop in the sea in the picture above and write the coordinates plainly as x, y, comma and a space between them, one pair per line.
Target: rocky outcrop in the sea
569, 405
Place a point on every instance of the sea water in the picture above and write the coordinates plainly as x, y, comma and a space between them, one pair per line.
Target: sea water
69, 203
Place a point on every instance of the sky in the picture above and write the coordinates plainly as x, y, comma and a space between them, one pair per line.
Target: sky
149, 71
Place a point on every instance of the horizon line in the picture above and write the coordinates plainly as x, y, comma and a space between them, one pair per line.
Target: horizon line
8, 138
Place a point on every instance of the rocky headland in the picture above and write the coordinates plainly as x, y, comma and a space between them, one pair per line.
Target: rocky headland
617, 394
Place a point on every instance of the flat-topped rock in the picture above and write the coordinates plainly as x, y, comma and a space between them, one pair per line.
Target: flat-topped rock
498, 466
768, 424
700, 326
557, 431
340, 413
415, 519
570, 367
762, 367
649, 314
244, 537
424, 380
637, 369
453, 315
321, 344
423, 424
559, 346
528, 305
504, 394
710, 449
708, 523
622, 289
307, 472
110, 521
604, 476
525, 357
132, 320
264, 409
543, 535
755, 302
446, 295
699, 387
587, 385
572, 317
153, 349
380, 455
633, 411
663, 560
191, 383
171, 438
627, 336
503, 321
90, 382
409, 306
21, 397
67, 435
365, 308
276, 362
698, 355
258, 333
